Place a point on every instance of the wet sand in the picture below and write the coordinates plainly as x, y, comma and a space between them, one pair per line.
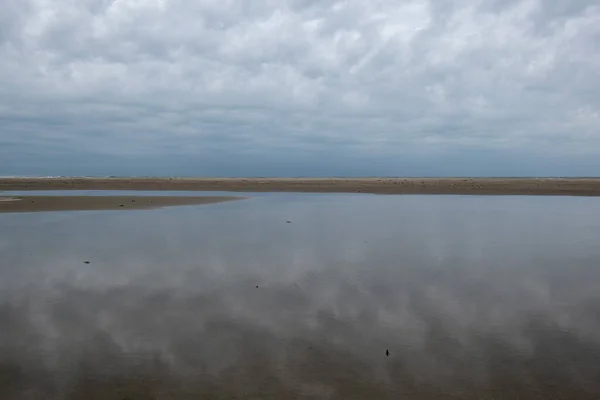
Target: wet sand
475, 186
14, 204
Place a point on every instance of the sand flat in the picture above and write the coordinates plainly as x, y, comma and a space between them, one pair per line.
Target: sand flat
477, 186
16, 204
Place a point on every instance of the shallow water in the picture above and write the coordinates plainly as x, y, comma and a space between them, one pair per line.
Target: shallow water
472, 297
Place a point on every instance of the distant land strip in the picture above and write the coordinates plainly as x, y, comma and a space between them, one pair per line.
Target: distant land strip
457, 186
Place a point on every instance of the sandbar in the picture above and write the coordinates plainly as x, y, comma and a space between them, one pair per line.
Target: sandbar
15, 204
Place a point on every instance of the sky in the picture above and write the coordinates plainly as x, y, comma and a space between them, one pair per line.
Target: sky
300, 87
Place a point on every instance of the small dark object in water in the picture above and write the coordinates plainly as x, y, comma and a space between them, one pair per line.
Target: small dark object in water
120, 205
133, 201
257, 286
288, 222
86, 262
387, 353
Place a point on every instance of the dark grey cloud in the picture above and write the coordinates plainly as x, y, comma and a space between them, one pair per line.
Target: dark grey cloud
369, 79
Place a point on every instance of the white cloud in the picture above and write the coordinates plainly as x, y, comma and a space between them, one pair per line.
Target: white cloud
372, 77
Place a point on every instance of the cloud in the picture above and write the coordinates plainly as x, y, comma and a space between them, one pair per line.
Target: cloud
131, 77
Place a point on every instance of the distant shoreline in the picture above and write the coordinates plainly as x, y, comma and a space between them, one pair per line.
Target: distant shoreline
457, 186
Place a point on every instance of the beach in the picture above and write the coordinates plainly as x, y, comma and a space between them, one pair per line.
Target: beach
456, 186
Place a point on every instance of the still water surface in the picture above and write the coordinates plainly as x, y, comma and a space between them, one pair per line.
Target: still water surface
356, 297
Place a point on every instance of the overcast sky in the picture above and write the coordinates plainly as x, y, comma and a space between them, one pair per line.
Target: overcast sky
299, 87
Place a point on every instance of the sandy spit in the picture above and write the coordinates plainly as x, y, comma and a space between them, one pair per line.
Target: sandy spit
71, 203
